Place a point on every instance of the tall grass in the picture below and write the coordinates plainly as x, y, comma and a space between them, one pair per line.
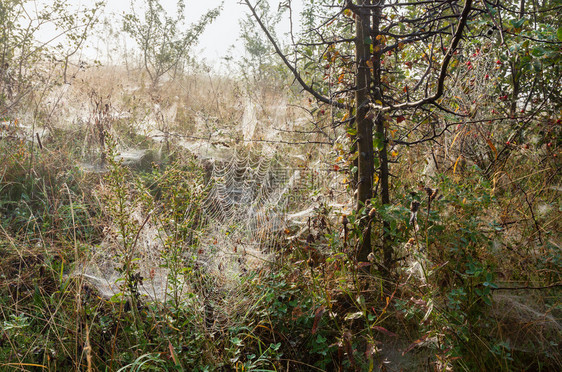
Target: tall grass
477, 284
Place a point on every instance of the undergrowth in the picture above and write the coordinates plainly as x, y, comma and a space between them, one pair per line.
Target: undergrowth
475, 284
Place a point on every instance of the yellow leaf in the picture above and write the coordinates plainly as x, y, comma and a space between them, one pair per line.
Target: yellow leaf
455, 139
456, 163
25, 364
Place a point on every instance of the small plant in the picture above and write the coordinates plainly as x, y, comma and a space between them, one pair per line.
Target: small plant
124, 197
100, 123
180, 195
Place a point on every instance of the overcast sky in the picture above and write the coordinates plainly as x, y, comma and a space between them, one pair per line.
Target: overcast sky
219, 36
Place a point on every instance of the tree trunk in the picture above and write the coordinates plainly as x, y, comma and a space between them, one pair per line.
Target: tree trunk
365, 163
381, 134
515, 72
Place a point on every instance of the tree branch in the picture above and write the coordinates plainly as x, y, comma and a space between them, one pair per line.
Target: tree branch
442, 74
295, 72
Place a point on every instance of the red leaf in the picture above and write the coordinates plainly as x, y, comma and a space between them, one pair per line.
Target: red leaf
172, 354
491, 144
414, 344
348, 347
317, 316
400, 119
385, 331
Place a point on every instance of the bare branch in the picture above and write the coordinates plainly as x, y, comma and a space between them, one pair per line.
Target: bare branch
443, 73
292, 68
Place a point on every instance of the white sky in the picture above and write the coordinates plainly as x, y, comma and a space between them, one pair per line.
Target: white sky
217, 37
220, 35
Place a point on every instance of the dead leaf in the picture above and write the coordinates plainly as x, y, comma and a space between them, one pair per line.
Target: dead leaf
385, 331
172, 353
414, 344
317, 316
492, 147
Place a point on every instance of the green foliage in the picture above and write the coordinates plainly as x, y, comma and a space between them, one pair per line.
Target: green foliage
287, 322
180, 197
313, 306
50, 200
123, 199
530, 54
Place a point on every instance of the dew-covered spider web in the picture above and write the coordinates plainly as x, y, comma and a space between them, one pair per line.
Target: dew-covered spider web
245, 211
251, 200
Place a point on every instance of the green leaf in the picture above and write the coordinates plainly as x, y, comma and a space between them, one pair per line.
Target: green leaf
518, 23
378, 142
492, 10
538, 51
559, 33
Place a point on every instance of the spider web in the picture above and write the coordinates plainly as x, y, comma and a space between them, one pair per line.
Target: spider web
243, 219
245, 212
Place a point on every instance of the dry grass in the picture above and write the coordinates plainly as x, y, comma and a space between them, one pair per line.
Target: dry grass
59, 225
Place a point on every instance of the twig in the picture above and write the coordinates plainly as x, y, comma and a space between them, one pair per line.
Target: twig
444, 68
293, 69
555, 285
